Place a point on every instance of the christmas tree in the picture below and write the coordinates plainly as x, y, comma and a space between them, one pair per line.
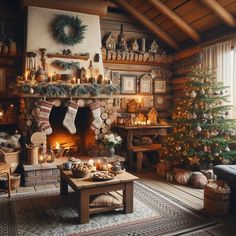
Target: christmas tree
202, 129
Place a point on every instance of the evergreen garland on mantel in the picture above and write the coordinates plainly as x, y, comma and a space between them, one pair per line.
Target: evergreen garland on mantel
64, 89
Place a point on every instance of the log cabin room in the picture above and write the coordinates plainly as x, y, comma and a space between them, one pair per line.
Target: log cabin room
117, 117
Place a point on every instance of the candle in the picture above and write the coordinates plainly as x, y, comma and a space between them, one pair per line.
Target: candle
78, 81
91, 162
50, 77
98, 165
26, 75
109, 82
73, 80
148, 122
49, 158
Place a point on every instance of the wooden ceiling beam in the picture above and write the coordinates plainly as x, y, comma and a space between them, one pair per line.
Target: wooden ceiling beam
159, 5
94, 7
221, 12
148, 23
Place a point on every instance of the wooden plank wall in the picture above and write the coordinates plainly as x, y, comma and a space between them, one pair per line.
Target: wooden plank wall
133, 30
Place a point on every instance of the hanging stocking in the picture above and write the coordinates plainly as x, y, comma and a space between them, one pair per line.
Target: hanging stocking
69, 120
45, 108
96, 111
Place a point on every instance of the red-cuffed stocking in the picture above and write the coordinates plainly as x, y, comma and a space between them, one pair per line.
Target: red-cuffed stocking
96, 112
45, 108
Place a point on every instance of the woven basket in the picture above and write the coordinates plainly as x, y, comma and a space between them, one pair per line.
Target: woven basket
15, 181
216, 200
77, 173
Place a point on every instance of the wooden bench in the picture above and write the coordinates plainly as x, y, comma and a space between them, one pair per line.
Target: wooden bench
139, 151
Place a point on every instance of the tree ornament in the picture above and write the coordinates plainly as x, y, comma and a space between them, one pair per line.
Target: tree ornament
199, 129
216, 154
210, 91
227, 149
193, 94
31, 91
194, 116
205, 148
226, 113
77, 29
202, 91
185, 153
209, 117
178, 148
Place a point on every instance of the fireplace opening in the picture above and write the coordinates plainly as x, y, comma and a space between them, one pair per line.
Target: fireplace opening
71, 144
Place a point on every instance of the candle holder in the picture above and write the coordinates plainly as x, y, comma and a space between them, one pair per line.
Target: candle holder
41, 159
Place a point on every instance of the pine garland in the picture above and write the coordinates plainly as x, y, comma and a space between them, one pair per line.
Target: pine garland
58, 28
66, 65
64, 89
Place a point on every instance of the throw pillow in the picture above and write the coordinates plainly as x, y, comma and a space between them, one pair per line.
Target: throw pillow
183, 177
198, 180
107, 200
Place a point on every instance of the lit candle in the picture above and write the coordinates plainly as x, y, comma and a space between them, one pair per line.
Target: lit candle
50, 77
26, 75
41, 159
98, 165
91, 162
148, 122
73, 80
78, 81
49, 158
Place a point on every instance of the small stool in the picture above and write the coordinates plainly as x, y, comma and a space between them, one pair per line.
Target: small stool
6, 170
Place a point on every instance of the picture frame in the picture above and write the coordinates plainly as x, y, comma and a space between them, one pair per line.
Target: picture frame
145, 84
115, 76
160, 86
2, 80
160, 101
128, 84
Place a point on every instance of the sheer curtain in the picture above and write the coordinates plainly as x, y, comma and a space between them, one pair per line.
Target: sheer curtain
222, 58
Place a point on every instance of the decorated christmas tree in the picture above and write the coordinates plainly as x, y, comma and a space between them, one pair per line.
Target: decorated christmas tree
202, 128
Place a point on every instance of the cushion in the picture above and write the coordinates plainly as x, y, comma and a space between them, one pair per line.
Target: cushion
182, 177
107, 200
198, 179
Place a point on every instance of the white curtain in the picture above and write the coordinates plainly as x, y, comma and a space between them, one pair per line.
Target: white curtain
222, 58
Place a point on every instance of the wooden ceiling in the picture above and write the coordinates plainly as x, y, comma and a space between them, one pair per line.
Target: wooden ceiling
182, 22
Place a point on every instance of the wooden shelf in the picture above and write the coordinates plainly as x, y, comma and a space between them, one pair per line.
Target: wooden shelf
136, 62
79, 57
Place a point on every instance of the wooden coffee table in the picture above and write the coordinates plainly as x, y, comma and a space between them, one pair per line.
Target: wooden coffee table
84, 187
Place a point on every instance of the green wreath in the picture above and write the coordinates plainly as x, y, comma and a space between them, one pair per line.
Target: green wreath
77, 29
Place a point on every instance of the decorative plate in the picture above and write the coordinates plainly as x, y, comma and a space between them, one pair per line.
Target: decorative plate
102, 176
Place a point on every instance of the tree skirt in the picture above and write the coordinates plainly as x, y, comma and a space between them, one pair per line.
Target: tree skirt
154, 214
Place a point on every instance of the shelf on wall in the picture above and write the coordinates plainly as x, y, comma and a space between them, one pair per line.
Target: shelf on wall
136, 62
79, 57
10, 56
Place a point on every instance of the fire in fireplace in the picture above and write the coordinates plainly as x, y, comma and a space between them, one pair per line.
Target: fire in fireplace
62, 141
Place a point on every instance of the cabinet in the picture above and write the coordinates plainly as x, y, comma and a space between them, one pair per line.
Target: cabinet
137, 152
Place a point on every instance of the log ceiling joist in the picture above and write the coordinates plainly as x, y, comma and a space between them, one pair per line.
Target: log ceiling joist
221, 12
94, 7
159, 5
148, 23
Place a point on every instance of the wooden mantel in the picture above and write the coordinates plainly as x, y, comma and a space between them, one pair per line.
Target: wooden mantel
94, 7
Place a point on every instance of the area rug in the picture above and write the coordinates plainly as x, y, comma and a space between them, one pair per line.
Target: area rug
154, 214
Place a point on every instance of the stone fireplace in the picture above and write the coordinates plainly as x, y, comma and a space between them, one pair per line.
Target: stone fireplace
84, 141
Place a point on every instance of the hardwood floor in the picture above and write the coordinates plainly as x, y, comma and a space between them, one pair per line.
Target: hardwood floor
193, 198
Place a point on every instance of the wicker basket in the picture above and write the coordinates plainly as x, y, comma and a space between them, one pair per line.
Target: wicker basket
12, 158
77, 173
216, 199
15, 181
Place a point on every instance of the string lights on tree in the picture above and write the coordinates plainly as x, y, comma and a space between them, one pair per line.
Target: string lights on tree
202, 130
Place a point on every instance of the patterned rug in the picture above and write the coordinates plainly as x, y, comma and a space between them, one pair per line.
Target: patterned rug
154, 214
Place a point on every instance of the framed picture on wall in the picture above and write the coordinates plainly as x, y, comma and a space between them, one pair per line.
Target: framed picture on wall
160, 101
145, 84
115, 77
2, 80
128, 84
160, 86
